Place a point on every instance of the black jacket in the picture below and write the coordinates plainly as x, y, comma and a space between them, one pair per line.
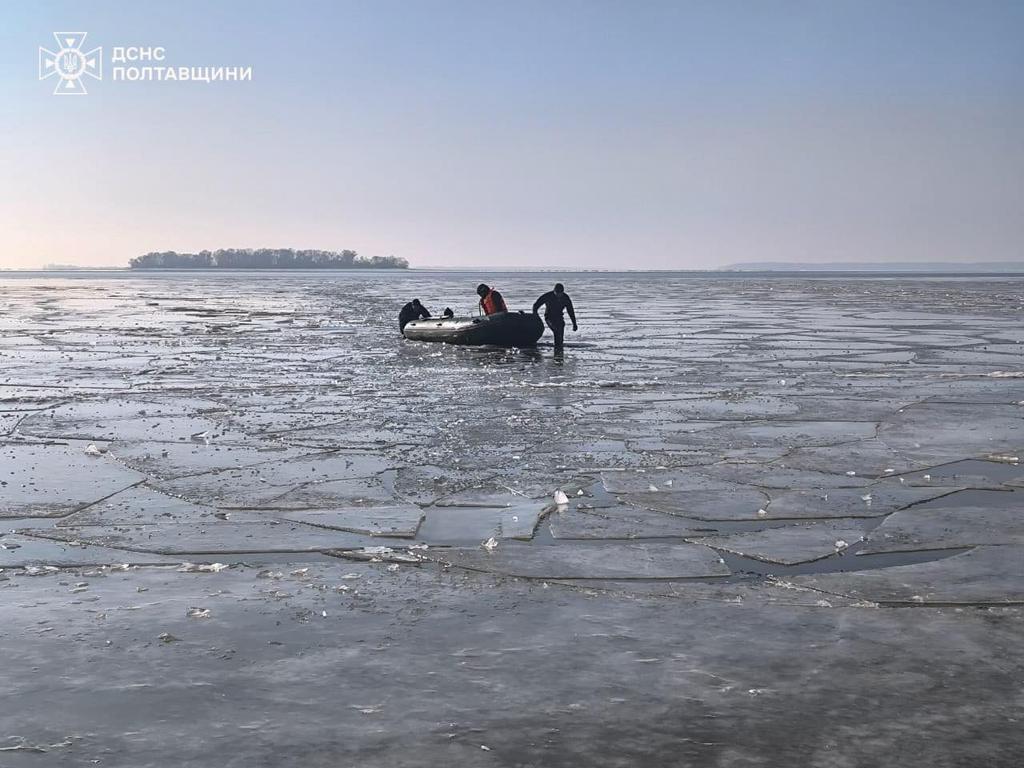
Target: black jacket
555, 304
411, 312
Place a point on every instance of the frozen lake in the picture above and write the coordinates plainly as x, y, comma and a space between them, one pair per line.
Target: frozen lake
828, 463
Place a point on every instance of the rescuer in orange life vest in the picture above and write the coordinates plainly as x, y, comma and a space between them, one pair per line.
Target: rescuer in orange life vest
490, 300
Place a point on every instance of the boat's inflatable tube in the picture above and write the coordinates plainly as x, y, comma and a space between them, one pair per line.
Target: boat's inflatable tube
505, 329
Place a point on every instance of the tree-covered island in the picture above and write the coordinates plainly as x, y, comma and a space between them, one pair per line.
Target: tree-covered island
265, 258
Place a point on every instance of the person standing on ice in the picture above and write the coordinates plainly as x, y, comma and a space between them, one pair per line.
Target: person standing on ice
491, 301
555, 303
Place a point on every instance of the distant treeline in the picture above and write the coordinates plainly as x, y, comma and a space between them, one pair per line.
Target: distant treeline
265, 258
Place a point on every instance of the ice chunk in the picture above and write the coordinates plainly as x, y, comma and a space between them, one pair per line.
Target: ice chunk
202, 567
40, 570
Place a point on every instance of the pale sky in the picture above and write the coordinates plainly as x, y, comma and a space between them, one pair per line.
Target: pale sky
518, 133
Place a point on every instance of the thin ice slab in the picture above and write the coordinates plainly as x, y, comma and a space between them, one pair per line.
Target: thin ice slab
19, 551
359, 491
915, 529
788, 434
213, 538
982, 576
719, 591
139, 505
621, 522
937, 432
610, 561
55, 480
782, 477
871, 501
268, 485
196, 456
734, 503
790, 544
399, 521
463, 524
870, 458
8, 421
661, 481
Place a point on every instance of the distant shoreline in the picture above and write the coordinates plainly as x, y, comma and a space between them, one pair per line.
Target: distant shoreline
254, 269
734, 274
928, 267
264, 258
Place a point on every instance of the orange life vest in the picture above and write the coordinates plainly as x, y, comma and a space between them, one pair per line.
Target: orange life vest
493, 303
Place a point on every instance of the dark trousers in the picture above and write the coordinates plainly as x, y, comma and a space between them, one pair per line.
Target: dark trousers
557, 326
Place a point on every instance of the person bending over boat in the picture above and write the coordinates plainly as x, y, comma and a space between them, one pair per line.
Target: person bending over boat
412, 311
555, 303
491, 301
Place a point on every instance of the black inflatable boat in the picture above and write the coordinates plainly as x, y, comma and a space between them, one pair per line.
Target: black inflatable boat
505, 329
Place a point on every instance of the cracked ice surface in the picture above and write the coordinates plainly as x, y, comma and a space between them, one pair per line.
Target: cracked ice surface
270, 418
294, 399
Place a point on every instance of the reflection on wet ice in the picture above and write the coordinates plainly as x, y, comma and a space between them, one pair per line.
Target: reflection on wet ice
184, 414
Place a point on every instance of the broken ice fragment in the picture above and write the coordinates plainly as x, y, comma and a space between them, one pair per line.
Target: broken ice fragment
1004, 458
840, 544
167, 637
762, 512
92, 450
561, 498
198, 613
40, 570
202, 567
492, 543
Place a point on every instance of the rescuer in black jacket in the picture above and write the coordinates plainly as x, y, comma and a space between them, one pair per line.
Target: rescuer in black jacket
555, 303
412, 311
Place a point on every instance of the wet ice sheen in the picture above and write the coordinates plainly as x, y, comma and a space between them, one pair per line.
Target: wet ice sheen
285, 414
